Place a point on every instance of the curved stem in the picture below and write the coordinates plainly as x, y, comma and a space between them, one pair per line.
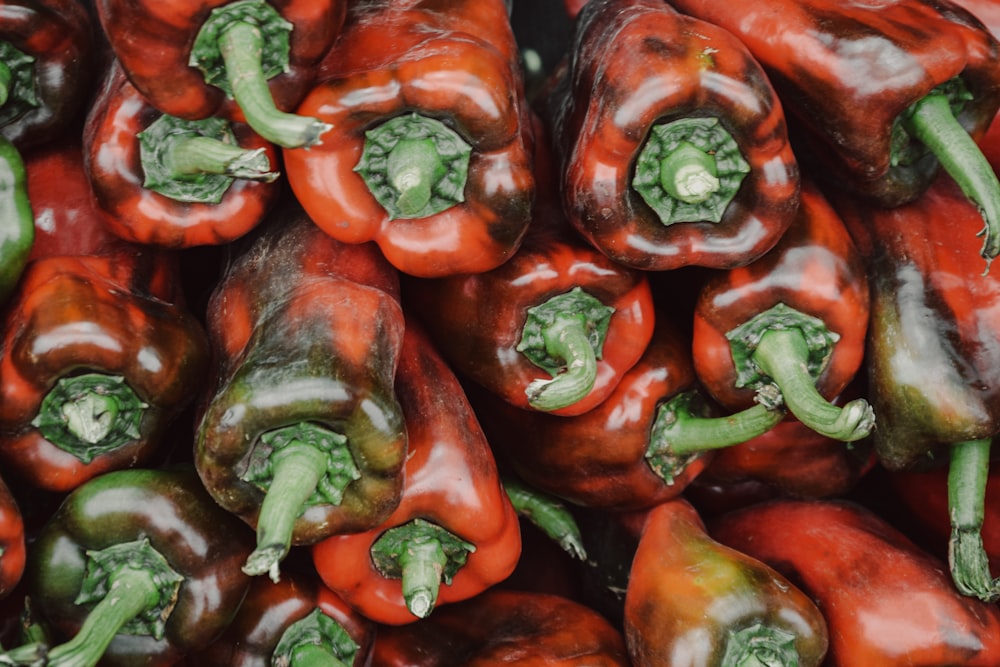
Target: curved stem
567, 338
547, 514
689, 174
190, 156
967, 476
682, 432
781, 354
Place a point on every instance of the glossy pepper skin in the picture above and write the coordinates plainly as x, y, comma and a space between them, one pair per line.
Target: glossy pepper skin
99, 356
300, 432
156, 45
638, 68
289, 620
17, 221
689, 595
445, 82
854, 76
816, 278
150, 193
200, 549
858, 568
501, 627
453, 490
12, 541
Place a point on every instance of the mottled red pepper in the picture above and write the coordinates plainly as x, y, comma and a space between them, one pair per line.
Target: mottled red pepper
12, 541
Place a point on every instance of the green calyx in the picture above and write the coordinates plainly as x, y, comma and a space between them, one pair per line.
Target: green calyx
683, 429
760, 646
91, 414
240, 47
296, 466
548, 514
17, 83
689, 170
968, 472
790, 349
414, 166
315, 639
422, 554
564, 336
197, 160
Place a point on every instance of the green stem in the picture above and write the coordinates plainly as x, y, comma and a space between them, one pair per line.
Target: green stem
413, 168
315, 640
423, 566
932, 122
967, 476
679, 430
567, 338
203, 155
315, 656
6, 82
547, 514
689, 174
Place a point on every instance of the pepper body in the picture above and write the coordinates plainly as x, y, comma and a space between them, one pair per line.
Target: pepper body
860, 570
17, 224
12, 541
636, 66
456, 67
452, 482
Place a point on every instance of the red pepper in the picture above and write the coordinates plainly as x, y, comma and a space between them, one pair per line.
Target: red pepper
690, 598
170, 182
886, 601
672, 143
246, 60
792, 323
430, 153
502, 627
12, 541
299, 431
455, 532
883, 93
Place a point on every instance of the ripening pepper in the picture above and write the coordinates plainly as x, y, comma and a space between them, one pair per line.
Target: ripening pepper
885, 601
792, 323
12, 541
136, 566
430, 151
170, 182
689, 595
99, 356
17, 221
503, 627
299, 432
455, 532
672, 144
884, 93
245, 60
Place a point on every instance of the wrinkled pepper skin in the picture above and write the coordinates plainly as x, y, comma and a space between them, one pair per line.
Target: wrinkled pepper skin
502, 627
140, 214
636, 64
457, 65
118, 314
270, 609
451, 481
861, 571
169, 507
689, 595
304, 330
12, 541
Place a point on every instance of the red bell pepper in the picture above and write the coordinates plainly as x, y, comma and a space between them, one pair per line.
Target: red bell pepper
672, 144
886, 601
884, 93
430, 153
246, 60
299, 432
692, 600
794, 321
12, 541
503, 627
174, 183
455, 532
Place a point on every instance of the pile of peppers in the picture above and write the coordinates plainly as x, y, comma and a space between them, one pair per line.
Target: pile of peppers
573, 333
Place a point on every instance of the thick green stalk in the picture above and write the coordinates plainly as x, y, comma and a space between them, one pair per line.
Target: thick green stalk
968, 472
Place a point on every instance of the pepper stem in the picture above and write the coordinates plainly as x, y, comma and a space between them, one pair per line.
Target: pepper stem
968, 472
760, 646
413, 168
315, 640
547, 514
932, 122
315, 656
689, 174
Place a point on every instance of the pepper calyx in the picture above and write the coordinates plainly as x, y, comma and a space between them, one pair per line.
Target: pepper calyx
315, 633
19, 95
759, 645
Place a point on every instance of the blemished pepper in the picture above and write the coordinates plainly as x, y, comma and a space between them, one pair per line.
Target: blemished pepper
136, 566
430, 151
794, 321
690, 595
455, 532
672, 145
100, 354
299, 431
885, 93
246, 60
294, 621
932, 362
174, 183
12, 541
865, 574
503, 627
